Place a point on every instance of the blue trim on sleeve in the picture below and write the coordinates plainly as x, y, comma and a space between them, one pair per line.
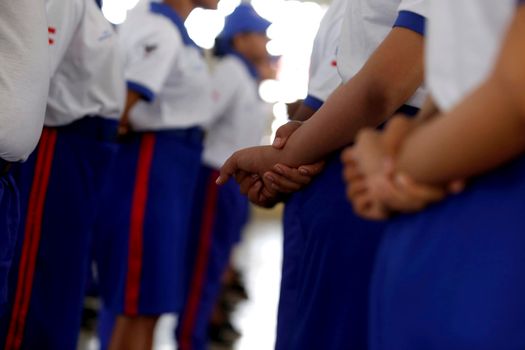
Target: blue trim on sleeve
142, 90
412, 21
165, 10
313, 102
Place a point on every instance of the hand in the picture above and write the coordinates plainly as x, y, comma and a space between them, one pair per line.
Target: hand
284, 179
124, 127
253, 160
252, 186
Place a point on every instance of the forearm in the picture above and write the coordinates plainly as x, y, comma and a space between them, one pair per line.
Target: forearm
303, 113
484, 131
386, 82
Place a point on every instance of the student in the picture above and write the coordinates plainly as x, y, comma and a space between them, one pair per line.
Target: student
24, 83
146, 222
324, 79
381, 72
220, 213
60, 183
451, 276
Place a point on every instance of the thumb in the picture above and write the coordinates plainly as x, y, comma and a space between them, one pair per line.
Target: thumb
284, 132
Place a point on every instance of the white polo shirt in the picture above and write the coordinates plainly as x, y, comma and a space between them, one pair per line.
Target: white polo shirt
166, 67
324, 77
88, 73
24, 76
366, 25
463, 41
241, 117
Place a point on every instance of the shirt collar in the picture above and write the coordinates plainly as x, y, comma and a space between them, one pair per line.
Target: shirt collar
249, 66
165, 10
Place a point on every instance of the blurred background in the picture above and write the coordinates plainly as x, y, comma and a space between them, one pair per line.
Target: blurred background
259, 256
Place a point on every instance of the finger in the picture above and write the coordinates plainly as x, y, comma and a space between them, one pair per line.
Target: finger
280, 183
357, 188
292, 174
240, 176
311, 169
351, 173
365, 207
248, 183
422, 192
253, 192
284, 132
227, 170
347, 156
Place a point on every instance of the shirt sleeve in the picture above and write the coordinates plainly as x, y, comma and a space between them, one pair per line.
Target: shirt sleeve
324, 78
150, 59
412, 15
64, 18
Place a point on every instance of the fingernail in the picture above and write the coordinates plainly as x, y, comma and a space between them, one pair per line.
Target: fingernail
255, 176
279, 169
303, 171
277, 142
270, 178
218, 181
258, 186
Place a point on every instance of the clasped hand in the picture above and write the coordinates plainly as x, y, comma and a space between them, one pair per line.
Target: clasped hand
262, 177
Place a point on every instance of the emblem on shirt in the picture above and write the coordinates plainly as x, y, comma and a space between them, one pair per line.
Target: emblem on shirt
150, 48
51, 31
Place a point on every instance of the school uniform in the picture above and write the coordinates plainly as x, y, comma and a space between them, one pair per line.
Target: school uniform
324, 79
451, 277
338, 247
24, 83
145, 226
60, 182
220, 212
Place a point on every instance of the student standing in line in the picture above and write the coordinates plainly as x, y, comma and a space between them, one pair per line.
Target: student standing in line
146, 222
24, 83
451, 276
61, 182
220, 213
380, 59
324, 79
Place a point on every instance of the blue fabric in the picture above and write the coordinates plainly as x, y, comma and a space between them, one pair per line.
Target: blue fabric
244, 19
334, 268
412, 21
231, 214
78, 173
166, 10
105, 324
313, 102
452, 276
142, 90
9, 221
172, 181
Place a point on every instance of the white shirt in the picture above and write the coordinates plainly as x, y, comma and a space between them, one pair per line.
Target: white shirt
88, 74
24, 76
367, 23
324, 77
464, 38
167, 69
241, 117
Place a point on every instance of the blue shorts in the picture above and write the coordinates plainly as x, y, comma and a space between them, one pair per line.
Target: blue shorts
143, 231
60, 187
333, 270
9, 220
218, 217
453, 276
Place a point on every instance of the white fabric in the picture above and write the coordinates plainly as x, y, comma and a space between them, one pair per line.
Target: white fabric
157, 59
464, 38
366, 24
24, 76
88, 69
241, 117
324, 77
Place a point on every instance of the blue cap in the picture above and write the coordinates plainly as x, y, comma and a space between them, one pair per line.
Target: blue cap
244, 19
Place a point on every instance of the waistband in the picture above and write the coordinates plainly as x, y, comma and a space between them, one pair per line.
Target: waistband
93, 126
193, 135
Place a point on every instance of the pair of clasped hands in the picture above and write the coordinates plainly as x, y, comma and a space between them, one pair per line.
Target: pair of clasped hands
373, 185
